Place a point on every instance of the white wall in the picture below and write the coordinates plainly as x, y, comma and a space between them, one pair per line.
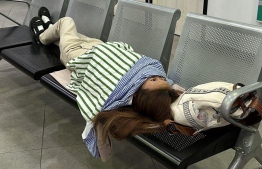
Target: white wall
237, 10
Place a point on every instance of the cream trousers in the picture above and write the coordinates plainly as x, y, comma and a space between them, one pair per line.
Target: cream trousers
71, 43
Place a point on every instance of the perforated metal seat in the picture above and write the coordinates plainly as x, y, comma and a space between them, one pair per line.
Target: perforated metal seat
150, 31
213, 50
93, 18
20, 35
84, 14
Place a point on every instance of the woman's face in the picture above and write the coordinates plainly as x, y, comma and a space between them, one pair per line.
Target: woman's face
156, 82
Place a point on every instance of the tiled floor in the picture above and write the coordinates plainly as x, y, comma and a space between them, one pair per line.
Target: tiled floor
16, 11
39, 130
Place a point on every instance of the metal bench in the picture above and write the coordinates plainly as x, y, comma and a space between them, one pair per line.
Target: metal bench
20, 35
209, 49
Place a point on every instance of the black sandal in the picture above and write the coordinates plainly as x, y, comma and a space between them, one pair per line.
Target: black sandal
44, 11
34, 23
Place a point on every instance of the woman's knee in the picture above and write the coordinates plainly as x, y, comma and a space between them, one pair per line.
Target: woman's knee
66, 21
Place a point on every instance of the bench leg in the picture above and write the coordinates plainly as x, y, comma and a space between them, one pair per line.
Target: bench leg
239, 161
258, 156
248, 146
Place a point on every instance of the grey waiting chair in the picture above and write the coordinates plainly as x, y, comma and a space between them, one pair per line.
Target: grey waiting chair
20, 35
150, 31
212, 49
92, 18
209, 49
57, 9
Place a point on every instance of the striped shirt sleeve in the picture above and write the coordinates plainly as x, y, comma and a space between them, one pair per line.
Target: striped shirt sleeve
97, 72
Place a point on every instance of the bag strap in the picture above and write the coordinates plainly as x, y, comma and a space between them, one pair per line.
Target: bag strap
175, 128
255, 103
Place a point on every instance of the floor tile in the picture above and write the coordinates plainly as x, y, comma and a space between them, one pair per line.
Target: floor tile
16, 11
19, 11
125, 156
9, 23
20, 160
22, 5
1, 25
63, 123
16, 86
5, 11
2, 18
21, 117
66, 157
158, 165
6, 6
222, 161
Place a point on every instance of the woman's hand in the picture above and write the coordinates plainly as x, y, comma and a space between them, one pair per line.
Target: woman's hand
178, 89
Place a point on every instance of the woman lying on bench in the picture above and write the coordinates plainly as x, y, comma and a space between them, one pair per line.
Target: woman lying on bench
126, 91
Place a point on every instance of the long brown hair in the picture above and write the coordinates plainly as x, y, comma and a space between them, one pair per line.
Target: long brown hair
148, 111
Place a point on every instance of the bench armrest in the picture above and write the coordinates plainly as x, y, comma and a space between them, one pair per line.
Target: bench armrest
231, 98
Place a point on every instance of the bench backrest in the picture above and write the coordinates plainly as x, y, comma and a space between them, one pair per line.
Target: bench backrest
212, 49
57, 9
92, 17
148, 28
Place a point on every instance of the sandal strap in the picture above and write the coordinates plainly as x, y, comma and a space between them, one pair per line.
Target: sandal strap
34, 24
46, 25
44, 11
36, 36
38, 32
35, 27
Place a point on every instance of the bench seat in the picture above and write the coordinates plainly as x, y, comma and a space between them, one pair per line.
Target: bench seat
34, 60
15, 36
